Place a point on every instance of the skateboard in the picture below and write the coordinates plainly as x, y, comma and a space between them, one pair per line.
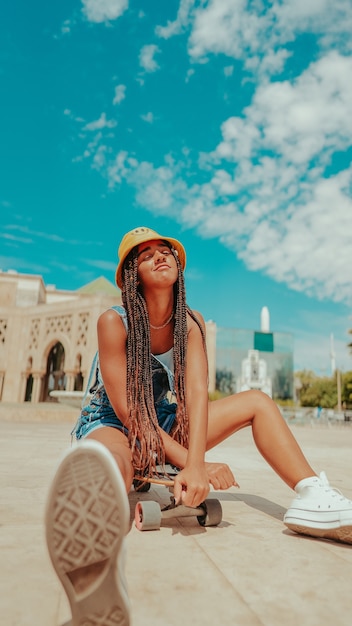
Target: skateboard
150, 514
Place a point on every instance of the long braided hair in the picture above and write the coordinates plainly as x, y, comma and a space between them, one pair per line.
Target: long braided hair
144, 438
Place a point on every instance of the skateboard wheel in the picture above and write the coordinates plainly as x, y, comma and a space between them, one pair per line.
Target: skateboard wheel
147, 515
212, 513
141, 485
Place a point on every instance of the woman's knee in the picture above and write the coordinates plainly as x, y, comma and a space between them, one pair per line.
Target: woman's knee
259, 396
258, 402
264, 406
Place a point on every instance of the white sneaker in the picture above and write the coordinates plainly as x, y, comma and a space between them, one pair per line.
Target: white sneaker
320, 510
87, 518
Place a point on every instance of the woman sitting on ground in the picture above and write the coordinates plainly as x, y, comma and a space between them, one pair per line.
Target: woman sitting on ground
148, 404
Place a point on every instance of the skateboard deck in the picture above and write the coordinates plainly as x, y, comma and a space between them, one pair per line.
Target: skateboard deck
143, 483
150, 514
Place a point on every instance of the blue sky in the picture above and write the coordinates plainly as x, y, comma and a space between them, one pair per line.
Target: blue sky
224, 123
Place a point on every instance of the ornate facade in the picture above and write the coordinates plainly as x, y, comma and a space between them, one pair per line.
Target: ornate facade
47, 337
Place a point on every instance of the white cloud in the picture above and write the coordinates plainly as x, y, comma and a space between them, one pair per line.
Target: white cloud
30, 235
148, 117
291, 220
228, 27
263, 198
119, 168
120, 94
332, 22
100, 123
103, 10
259, 35
268, 194
99, 157
15, 238
301, 119
189, 74
100, 130
306, 246
245, 30
228, 70
146, 58
182, 20
66, 27
106, 266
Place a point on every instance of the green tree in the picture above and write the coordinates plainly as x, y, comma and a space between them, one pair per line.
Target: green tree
315, 390
322, 392
305, 379
346, 389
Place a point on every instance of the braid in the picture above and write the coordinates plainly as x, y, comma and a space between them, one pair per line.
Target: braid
144, 438
181, 425
180, 430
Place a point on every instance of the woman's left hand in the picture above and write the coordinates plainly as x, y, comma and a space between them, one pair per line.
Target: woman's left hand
220, 476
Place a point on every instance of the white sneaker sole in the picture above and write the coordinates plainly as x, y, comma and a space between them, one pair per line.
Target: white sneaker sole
303, 527
87, 518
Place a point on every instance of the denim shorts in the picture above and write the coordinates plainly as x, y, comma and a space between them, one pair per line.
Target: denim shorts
88, 422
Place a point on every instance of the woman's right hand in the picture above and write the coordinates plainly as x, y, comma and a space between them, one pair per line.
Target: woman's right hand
191, 486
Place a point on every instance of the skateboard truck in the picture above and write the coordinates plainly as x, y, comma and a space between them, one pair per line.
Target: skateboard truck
149, 514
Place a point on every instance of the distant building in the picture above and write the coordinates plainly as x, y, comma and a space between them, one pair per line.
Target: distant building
254, 374
255, 359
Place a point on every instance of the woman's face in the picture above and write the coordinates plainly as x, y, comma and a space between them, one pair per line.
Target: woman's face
156, 264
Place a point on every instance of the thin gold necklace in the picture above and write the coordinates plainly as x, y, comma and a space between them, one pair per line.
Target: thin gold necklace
163, 325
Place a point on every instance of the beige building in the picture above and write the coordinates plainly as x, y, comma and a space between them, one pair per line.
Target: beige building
48, 337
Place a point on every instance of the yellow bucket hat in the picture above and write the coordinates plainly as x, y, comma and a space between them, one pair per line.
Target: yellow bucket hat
139, 235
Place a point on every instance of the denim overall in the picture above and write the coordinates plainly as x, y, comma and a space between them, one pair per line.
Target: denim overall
96, 408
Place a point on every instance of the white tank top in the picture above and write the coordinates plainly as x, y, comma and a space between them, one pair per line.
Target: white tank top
167, 359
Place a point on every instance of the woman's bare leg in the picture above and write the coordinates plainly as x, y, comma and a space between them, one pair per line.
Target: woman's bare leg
117, 443
271, 434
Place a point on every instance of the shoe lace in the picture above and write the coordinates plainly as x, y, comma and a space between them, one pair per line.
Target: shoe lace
332, 490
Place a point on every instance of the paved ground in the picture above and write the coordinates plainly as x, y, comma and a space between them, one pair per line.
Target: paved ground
248, 571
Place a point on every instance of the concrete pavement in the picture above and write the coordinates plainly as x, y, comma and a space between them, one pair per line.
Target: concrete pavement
249, 571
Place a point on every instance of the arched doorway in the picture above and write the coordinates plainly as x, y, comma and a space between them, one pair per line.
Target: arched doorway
29, 381
55, 378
